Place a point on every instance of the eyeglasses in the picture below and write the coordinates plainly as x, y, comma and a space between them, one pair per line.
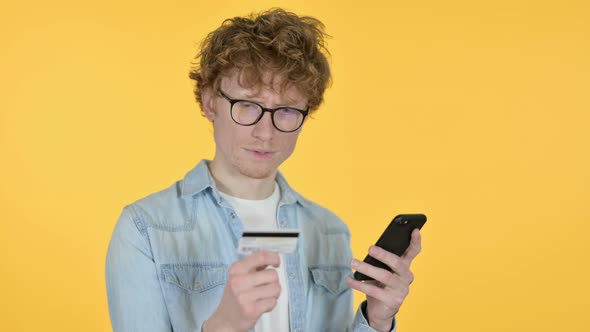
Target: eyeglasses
247, 113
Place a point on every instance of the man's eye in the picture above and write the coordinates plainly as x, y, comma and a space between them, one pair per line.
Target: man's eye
288, 112
247, 106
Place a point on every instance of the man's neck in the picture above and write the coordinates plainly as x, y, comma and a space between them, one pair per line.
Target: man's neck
241, 186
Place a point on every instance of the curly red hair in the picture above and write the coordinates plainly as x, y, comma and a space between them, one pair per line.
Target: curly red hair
276, 42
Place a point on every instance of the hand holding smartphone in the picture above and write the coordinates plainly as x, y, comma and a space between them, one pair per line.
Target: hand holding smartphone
395, 239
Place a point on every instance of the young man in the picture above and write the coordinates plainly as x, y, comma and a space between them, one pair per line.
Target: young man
172, 262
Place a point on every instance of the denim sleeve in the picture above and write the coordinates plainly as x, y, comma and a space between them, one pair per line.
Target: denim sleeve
360, 323
134, 295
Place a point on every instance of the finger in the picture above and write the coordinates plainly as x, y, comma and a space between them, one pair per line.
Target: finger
243, 282
394, 262
265, 305
415, 246
266, 291
259, 300
257, 261
392, 298
263, 267
383, 276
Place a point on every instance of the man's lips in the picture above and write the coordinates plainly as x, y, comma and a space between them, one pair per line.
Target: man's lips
260, 153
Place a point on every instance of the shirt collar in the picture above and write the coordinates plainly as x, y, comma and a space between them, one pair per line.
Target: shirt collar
199, 179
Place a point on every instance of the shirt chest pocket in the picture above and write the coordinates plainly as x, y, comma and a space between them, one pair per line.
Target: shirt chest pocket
195, 277
330, 278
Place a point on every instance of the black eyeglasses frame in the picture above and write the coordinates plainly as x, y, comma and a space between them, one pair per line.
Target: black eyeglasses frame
272, 112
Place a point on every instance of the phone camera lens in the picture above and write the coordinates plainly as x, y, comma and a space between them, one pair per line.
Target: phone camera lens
401, 222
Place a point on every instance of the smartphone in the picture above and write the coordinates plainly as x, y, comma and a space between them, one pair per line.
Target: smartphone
396, 239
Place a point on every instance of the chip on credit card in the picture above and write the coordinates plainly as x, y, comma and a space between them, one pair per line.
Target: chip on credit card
282, 241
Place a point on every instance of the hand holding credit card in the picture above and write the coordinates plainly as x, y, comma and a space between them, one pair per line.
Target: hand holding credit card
282, 241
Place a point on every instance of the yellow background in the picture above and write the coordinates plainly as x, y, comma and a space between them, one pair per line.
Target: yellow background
473, 113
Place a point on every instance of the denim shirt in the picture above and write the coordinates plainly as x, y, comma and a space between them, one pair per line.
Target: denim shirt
169, 255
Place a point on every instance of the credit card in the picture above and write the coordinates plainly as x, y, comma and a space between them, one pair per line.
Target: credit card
283, 241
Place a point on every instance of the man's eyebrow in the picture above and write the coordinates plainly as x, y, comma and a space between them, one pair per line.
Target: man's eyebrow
248, 96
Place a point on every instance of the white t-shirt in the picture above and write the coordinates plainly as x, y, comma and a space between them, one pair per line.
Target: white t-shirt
262, 215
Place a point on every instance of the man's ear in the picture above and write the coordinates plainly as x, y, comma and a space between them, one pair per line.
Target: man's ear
208, 104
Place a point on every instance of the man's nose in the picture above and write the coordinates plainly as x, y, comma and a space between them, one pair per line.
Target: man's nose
264, 129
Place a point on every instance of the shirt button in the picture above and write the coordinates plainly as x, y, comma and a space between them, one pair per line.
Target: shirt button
297, 330
232, 215
291, 275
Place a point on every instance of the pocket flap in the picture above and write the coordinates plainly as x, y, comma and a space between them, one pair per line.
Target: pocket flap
333, 278
195, 276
